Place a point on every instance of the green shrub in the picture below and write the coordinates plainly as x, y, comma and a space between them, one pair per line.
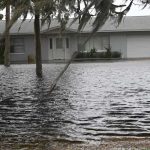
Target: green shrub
31, 59
81, 55
107, 54
102, 55
116, 54
93, 50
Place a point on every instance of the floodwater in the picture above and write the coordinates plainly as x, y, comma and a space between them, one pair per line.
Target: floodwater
91, 100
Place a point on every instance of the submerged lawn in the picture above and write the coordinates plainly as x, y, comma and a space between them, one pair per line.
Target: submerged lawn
90, 101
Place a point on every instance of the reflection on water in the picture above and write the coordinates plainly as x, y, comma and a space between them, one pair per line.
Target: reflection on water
90, 100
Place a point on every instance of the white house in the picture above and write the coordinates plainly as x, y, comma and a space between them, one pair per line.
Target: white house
131, 38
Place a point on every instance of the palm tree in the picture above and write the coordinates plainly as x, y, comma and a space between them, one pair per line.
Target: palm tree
7, 4
1, 16
7, 37
38, 44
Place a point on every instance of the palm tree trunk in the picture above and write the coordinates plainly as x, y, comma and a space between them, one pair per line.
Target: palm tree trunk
38, 45
7, 38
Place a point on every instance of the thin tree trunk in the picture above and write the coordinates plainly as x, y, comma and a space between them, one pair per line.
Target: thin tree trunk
7, 38
38, 45
62, 72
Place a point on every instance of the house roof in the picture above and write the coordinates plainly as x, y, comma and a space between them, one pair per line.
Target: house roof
129, 23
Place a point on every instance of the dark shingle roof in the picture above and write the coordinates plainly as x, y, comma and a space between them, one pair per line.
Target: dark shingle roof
129, 23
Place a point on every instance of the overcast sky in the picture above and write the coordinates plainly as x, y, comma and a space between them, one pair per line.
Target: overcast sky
136, 9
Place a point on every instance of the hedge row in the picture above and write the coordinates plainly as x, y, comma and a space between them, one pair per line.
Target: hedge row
107, 54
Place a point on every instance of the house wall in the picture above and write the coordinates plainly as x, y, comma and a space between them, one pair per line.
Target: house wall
28, 49
118, 42
130, 44
45, 48
94, 42
100, 41
138, 45
73, 46
29, 46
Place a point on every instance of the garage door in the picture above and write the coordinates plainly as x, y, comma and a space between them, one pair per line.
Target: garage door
138, 46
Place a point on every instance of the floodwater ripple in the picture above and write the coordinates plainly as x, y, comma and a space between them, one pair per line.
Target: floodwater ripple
90, 100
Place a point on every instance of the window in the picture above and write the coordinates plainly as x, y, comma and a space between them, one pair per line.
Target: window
67, 42
51, 43
59, 43
17, 46
105, 42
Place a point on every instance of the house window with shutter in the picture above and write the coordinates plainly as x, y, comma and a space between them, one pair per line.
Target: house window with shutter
51, 43
59, 43
105, 42
67, 42
17, 46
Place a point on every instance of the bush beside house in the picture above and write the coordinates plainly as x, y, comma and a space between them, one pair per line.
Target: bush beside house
104, 54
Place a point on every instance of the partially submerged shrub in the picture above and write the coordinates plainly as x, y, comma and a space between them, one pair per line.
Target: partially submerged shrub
102, 55
116, 54
31, 59
107, 54
92, 52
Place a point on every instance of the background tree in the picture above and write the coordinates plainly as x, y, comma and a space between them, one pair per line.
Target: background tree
7, 36
9, 23
6, 4
1, 8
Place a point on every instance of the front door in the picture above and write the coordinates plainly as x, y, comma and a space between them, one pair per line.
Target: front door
59, 49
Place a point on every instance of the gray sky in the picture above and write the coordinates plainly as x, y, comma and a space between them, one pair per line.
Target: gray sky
136, 10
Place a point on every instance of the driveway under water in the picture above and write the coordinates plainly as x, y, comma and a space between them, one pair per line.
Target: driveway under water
91, 100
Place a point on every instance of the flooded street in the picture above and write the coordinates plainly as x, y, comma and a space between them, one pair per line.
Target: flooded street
91, 100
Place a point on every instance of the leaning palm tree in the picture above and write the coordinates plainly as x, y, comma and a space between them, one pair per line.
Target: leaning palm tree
84, 10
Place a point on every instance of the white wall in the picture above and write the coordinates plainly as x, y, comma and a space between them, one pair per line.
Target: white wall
138, 46
118, 42
44, 48
73, 46
98, 41
28, 49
